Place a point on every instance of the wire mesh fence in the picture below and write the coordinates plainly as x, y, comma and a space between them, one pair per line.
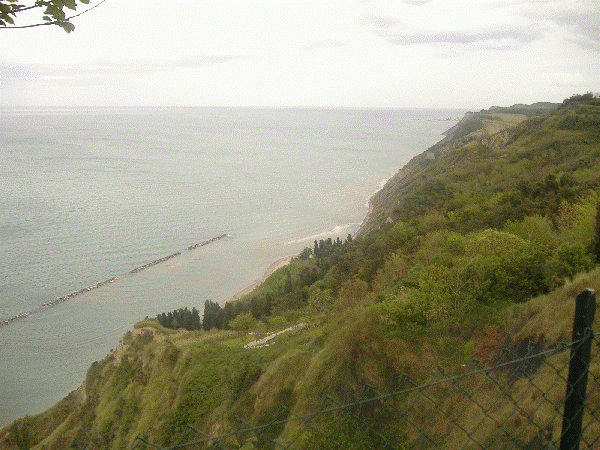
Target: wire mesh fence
519, 402
516, 403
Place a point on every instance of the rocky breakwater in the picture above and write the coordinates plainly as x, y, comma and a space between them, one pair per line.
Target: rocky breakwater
200, 244
155, 262
12, 319
80, 291
191, 247
4, 322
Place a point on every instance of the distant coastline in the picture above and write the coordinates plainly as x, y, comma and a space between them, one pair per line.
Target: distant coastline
66, 237
401, 173
282, 262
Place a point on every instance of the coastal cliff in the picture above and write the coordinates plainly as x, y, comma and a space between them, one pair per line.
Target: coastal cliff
476, 245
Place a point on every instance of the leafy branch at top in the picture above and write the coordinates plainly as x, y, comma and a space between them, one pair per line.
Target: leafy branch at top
53, 13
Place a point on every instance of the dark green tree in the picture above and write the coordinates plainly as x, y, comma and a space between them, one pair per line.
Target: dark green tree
256, 307
288, 287
268, 304
21, 437
195, 319
180, 318
305, 254
595, 244
228, 314
213, 315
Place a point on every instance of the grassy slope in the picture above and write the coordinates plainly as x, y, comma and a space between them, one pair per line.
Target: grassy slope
403, 297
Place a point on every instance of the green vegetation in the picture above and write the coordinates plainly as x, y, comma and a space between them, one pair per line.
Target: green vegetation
479, 243
53, 12
181, 318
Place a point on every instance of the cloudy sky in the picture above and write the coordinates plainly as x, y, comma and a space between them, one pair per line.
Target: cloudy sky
438, 53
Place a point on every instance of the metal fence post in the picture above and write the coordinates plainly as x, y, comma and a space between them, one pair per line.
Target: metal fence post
585, 308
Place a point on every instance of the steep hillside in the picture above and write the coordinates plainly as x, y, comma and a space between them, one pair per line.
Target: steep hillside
479, 243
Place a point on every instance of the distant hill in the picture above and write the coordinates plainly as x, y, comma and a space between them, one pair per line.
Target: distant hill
534, 108
477, 244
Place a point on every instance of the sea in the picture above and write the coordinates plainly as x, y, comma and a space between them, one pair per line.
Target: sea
89, 194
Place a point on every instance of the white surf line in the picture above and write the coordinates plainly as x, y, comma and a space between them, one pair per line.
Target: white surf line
337, 230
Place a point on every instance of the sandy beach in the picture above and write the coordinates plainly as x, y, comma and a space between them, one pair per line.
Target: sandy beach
272, 268
390, 183
286, 260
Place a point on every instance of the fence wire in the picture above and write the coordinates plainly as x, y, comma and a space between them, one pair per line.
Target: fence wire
516, 403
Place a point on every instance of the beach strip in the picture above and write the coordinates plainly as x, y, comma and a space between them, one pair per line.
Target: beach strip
282, 262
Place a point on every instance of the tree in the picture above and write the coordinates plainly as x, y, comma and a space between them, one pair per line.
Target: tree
320, 299
21, 437
243, 322
595, 245
180, 318
194, 322
288, 286
228, 314
213, 316
53, 12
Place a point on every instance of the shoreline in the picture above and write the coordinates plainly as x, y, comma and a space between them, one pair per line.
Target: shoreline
130, 300
281, 262
397, 177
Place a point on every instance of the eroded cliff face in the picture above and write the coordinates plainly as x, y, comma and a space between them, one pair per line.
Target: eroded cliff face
474, 134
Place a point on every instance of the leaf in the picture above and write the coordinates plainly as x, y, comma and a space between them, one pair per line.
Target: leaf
70, 4
55, 12
67, 26
87, 2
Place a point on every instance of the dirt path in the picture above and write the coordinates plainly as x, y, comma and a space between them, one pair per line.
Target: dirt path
265, 342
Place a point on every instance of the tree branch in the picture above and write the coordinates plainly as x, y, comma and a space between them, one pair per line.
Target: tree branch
83, 12
52, 22
24, 8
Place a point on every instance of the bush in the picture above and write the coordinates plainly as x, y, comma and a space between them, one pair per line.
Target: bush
243, 322
567, 261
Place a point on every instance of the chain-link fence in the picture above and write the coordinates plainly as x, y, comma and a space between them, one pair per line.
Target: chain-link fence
533, 400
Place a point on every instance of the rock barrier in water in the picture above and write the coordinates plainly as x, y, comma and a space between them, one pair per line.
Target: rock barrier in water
80, 291
200, 244
155, 262
12, 319
110, 280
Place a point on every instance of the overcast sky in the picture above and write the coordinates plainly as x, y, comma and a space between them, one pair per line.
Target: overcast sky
438, 53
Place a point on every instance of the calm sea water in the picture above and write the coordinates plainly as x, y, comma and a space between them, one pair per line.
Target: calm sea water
89, 194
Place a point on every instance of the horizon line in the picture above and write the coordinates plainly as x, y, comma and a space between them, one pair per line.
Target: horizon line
322, 107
